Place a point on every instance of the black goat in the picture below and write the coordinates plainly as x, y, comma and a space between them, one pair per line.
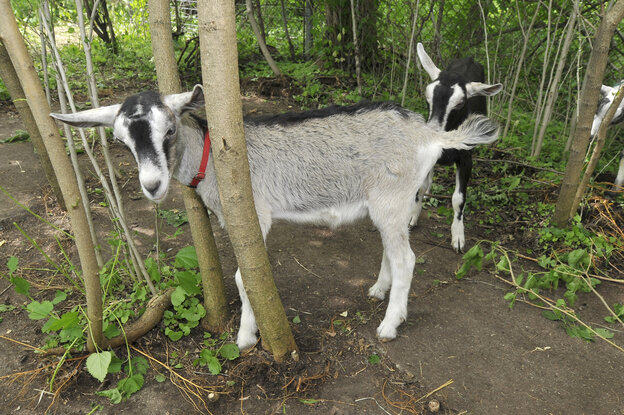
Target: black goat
453, 94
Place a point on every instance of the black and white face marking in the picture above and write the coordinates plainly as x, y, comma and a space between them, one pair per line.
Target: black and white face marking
147, 125
450, 89
607, 96
443, 98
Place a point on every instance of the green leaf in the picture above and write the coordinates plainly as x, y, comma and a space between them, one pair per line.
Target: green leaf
20, 285
160, 378
229, 351
189, 280
6, 307
66, 321
139, 365
604, 333
38, 311
551, 315
113, 394
111, 330
59, 296
115, 365
296, 320
503, 264
97, 364
152, 269
578, 257
12, 264
178, 296
131, 385
187, 258
173, 335
213, 365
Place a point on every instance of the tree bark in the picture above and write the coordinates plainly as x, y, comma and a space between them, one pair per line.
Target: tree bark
307, 23
356, 46
600, 141
566, 206
217, 34
260, 39
553, 93
285, 21
215, 301
23, 64
11, 81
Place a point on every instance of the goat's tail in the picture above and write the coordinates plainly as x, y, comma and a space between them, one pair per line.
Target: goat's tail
476, 130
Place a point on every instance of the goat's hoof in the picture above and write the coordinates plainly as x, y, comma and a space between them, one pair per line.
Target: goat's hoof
376, 294
386, 332
246, 341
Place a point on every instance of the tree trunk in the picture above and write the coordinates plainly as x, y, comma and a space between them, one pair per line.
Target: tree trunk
566, 206
285, 21
260, 39
307, 23
357, 49
23, 64
217, 34
11, 81
554, 86
409, 53
600, 140
525, 35
215, 301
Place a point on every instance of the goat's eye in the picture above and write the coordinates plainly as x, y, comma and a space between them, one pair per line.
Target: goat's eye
171, 131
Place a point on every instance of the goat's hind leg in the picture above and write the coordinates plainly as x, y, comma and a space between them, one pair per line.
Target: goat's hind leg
248, 328
420, 195
384, 281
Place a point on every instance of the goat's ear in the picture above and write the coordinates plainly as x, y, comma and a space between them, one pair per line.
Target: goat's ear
478, 88
96, 117
186, 101
427, 63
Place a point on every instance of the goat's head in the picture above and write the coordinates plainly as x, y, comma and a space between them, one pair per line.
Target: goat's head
449, 90
607, 95
148, 125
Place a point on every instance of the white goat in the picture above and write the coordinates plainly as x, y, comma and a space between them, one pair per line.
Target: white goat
328, 166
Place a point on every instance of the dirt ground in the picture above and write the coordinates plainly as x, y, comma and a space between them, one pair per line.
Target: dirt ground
462, 346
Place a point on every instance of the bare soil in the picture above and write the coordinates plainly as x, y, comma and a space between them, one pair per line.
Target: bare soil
462, 345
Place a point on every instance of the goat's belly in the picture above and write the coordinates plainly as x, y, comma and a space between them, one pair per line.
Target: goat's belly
333, 216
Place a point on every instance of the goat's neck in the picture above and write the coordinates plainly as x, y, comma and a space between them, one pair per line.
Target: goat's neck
188, 150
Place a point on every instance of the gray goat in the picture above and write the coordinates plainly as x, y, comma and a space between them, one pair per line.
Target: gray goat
328, 166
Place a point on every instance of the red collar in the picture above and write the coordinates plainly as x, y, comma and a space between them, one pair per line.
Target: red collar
204, 162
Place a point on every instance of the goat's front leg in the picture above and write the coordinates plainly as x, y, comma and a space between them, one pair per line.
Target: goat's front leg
462, 175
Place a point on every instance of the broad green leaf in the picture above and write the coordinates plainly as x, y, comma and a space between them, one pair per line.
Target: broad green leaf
577, 257
131, 385
152, 269
189, 280
113, 394
66, 321
178, 296
160, 378
38, 311
12, 264
551, 315
58, 297
213, 365
296, 320
604, 333
20, 285
97, 364
187, 258
173, 335
115, 365
139, 365
111, 330
70, 334
229, 351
